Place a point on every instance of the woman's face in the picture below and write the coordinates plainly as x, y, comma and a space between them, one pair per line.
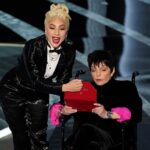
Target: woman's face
101, 73
56, 31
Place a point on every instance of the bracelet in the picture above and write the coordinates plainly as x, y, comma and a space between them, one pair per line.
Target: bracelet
109, 115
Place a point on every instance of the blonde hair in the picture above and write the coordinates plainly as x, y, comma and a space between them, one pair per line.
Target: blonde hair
58, 10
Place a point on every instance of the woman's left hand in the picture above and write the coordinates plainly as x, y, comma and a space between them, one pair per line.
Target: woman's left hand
100, 110
67, 110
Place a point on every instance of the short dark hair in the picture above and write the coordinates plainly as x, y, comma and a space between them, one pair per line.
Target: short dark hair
101, 56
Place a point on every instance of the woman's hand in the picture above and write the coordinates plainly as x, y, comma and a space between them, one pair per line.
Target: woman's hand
103, 113
67, 110
100, 110
72, 86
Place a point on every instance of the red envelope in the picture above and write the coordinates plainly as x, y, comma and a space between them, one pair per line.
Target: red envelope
82, 100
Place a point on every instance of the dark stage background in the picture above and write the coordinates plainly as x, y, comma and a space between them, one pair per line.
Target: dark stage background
121, 26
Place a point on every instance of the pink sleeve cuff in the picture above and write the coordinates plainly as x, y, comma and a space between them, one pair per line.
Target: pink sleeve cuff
54, 114
125, 113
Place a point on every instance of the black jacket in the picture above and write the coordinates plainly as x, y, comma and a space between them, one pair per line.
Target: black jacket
27, 78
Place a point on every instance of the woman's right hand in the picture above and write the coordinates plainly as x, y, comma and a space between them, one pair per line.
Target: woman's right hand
67, 110
72, 86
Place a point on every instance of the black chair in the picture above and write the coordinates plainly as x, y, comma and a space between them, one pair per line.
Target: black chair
65, 119
134, 131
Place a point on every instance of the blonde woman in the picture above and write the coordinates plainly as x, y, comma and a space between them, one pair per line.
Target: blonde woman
44, 68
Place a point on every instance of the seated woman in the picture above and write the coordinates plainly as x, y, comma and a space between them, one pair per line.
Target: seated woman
118, 102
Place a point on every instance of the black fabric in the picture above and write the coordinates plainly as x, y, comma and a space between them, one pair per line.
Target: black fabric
28, 123
89, 137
